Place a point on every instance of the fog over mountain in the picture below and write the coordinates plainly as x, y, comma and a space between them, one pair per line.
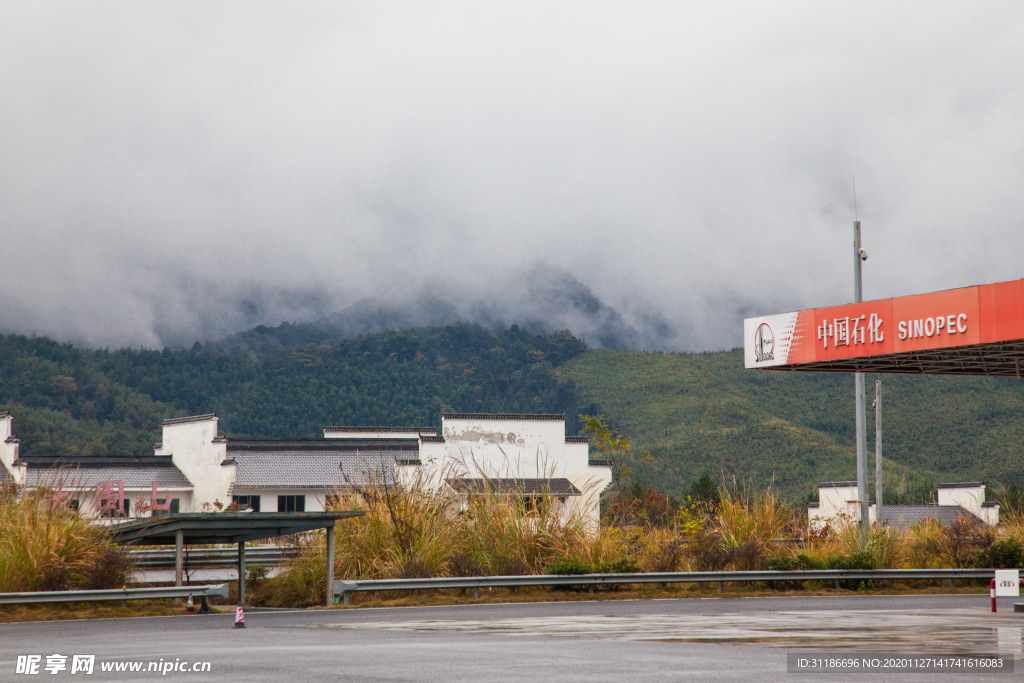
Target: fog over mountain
645, 174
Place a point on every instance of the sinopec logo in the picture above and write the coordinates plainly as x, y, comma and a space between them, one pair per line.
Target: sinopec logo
764, 343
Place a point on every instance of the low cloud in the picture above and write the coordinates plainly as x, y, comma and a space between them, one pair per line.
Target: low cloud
643, 175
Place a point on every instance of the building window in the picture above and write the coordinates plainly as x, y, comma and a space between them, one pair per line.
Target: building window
109, 508
291, 503
72, 504
530, 504
162, 501
242, 502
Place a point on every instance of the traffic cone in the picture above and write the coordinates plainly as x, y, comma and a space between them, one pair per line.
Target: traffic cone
239, 617
191, 607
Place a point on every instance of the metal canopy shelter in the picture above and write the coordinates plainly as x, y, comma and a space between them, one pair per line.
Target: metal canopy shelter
970, 331
229, 527
993, 360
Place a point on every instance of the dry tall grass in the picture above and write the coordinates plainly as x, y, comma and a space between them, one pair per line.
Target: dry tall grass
413, 531
750, 524
46, 546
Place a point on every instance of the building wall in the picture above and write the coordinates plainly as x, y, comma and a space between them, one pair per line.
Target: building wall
88, 503
9, 449
970, 498
513, 448
834, 505
382, 433
196, 450
315, 497
840, 504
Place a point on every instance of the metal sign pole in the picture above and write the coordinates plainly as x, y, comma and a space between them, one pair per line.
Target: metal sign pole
858, 379
878, 450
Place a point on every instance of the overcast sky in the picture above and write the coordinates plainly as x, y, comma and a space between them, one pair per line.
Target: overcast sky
180, 171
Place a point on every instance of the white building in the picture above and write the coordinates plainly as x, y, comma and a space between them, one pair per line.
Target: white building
194, 469
838, 504
526, 454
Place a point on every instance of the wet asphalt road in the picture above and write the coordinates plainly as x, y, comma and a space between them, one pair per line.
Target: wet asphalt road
571, 641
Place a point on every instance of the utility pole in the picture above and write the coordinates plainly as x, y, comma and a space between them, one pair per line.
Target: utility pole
858, 380
878, 450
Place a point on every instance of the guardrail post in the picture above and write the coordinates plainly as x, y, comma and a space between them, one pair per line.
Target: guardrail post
179, 542
837, 584
344, 597
590, 588
476, 592
721, 586
330, 566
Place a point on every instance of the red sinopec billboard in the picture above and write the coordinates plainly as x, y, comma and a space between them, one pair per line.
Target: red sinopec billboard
956, 317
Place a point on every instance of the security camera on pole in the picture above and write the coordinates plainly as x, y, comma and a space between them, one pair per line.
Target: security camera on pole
858, 379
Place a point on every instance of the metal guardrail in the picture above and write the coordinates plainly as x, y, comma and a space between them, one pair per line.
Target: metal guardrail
213, 558
122, 594
591, 581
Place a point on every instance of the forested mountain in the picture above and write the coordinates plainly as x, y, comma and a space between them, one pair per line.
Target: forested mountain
693, 413
285, 381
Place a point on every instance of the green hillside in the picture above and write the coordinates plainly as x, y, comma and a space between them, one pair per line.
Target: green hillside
62, 405
694, 413
704, 414
65, 398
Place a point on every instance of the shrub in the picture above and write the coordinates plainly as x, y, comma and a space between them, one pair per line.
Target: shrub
624, 566
569, 568
707, 552
108, 567
663, 551
862, 560
1004, 554
959, 544
790, 564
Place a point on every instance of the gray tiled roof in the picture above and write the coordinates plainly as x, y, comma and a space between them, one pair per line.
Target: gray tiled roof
382, 430
190, 418
902, 517
312, 468
529, 417
88, 471
527, 487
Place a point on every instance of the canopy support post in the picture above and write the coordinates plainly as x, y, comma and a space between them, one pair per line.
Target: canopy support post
330, 565
179, 542
241, 573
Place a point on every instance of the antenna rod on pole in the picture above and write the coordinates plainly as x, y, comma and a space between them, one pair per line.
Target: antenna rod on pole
858, 379
878, 450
